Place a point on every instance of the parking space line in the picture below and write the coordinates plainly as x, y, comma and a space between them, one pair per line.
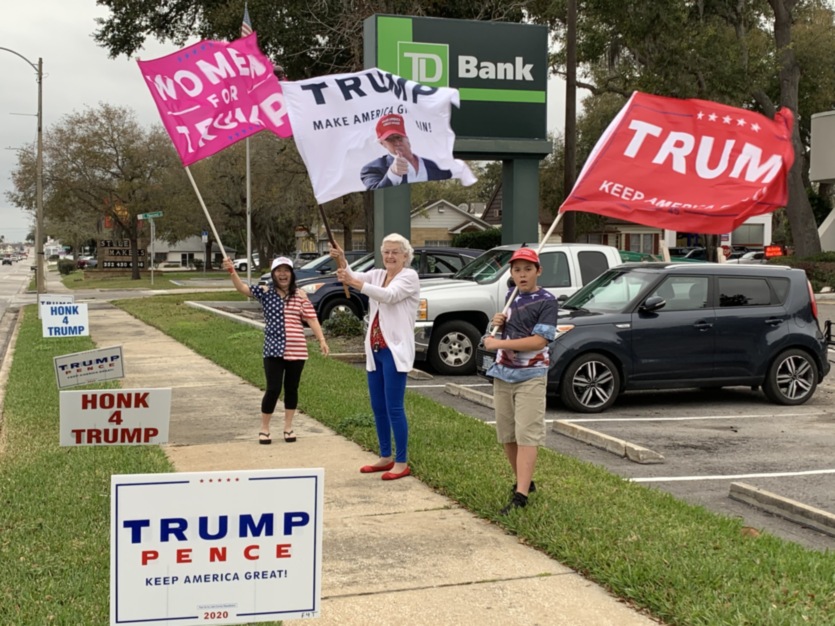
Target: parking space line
672, 479
689, 418
444, 385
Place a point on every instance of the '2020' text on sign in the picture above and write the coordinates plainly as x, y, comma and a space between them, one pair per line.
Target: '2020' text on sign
101, 417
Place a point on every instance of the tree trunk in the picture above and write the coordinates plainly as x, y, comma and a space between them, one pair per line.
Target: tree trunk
134, 256
798, 209
569, 224
368, 206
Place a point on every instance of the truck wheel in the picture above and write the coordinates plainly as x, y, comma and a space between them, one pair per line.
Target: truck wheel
334, 306
591, 384
453, 347
792, 378
242, 267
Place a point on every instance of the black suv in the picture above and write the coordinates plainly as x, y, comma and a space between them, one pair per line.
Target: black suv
676, 325
327, 294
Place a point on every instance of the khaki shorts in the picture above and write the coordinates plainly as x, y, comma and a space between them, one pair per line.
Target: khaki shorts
520, 411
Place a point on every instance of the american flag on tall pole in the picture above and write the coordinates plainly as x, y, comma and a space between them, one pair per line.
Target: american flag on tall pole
246, 26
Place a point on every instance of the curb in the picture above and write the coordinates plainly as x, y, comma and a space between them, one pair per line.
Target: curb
631, 451
625, 449
786, 508
479, 397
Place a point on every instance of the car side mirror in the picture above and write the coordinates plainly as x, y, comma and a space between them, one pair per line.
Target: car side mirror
652, 304
562, 299
510, 282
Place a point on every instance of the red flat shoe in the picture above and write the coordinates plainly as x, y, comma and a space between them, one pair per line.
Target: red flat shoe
395, 476
370, 469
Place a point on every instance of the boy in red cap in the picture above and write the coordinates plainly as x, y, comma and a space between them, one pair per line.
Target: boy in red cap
400, 165
520, 372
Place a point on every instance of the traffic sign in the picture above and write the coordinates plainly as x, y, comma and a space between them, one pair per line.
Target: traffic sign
148, 216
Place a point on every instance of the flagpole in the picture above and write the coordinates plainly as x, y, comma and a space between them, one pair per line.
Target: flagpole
206, 212
538, 250
248, 219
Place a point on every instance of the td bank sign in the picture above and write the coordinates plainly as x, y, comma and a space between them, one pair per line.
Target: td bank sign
429, 64
500, 69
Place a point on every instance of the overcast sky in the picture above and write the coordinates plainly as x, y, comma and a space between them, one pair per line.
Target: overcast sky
77, 74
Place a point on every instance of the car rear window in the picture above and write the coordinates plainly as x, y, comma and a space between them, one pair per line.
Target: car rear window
592, 265
734, 292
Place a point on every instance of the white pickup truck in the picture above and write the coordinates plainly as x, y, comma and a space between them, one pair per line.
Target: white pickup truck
455, 312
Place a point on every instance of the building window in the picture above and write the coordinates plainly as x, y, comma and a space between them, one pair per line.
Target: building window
749, 235
186, 259
590, 238
438, 242
640, 242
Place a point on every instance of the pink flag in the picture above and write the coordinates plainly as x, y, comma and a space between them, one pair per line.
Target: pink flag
213, 93
687, 165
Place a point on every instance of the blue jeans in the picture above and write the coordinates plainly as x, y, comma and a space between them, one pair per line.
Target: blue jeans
387, 388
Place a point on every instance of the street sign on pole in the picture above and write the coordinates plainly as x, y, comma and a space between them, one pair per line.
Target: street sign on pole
149, 216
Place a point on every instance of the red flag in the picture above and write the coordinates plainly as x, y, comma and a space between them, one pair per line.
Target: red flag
686, 165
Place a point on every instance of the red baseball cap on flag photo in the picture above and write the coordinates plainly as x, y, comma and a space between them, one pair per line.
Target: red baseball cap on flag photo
525, 254
391, 124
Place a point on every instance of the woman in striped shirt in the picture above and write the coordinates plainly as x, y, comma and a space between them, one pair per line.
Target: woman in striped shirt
286, 308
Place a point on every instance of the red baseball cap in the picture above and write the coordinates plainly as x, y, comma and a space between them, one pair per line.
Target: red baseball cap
391, 124
525, 254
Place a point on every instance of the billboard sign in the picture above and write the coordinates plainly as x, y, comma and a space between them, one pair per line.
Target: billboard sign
500, 69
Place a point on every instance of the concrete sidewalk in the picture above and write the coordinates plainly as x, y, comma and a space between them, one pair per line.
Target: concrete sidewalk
392, 551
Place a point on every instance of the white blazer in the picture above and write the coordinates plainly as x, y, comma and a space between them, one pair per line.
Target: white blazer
397, 305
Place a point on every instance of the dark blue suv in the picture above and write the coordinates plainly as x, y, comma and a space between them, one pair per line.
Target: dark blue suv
667, 326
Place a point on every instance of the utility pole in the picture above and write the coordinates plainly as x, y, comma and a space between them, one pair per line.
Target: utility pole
39, 260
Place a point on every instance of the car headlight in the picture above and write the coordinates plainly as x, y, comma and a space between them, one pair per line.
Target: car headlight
423, 310
562, 329
312, 287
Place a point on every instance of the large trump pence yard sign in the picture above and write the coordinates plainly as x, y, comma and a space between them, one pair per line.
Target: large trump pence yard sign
216, 547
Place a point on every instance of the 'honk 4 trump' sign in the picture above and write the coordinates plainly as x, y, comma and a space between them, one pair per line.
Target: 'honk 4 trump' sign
100, 417
65, 320
216, 547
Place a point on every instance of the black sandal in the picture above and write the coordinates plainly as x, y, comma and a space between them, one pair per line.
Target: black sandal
264, 441
289, 437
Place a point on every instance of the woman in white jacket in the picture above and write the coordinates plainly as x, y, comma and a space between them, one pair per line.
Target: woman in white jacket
393, 294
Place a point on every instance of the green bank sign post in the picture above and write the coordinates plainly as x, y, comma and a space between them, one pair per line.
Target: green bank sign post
501, 72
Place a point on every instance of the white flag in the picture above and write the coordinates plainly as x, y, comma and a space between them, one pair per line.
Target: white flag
371, 130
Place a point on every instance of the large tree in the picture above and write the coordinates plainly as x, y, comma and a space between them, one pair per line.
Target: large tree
747, 53
98, 163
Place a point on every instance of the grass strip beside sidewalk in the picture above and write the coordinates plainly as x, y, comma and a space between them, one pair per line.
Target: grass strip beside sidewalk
54, 502
679, 562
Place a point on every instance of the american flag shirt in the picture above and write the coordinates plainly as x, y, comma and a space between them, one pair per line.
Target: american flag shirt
529, 314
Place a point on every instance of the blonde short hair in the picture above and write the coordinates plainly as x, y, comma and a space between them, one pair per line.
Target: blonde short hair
404, 244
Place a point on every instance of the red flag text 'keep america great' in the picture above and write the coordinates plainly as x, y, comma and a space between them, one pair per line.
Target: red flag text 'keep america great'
686, 165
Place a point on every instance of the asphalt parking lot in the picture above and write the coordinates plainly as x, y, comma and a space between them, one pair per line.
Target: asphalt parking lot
708, 440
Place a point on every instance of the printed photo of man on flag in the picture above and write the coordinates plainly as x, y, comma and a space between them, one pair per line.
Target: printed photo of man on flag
400, 164
371, 130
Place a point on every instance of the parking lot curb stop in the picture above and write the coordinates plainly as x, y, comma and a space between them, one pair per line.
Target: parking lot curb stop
631, 451
479, 397
784, 507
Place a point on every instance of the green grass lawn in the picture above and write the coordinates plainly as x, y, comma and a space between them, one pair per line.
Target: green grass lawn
94, 279
681, 563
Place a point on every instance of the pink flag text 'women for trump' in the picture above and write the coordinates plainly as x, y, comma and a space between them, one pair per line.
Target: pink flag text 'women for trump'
687, 165
213, 93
